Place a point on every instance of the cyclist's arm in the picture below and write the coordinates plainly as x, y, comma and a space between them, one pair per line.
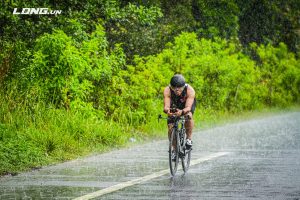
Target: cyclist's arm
167, 100
190, 100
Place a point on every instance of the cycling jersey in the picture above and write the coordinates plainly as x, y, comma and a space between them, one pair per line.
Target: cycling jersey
179, 101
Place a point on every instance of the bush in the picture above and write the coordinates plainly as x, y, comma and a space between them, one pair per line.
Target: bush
279, 74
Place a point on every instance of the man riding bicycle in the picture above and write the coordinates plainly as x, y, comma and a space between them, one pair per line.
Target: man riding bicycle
179, 99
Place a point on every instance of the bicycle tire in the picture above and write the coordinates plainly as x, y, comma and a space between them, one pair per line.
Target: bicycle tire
186, 161
174, 164
186, 158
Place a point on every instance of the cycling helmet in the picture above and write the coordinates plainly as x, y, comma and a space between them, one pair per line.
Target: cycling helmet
177, 81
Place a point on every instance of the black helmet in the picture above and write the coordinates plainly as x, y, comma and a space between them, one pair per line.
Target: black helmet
177, 81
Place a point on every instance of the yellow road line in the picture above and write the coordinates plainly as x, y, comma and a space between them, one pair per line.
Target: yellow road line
144, 179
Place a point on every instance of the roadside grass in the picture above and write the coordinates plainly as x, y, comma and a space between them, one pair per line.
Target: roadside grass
46, 136
32, 138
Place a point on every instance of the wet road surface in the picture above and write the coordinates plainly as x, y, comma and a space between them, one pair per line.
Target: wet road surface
255, 159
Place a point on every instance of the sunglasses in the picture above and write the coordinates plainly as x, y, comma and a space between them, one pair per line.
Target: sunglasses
177, 88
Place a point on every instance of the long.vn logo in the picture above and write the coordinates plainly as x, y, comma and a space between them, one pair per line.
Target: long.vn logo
36, 11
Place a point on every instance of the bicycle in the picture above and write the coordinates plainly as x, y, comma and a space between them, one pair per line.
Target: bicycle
177, 143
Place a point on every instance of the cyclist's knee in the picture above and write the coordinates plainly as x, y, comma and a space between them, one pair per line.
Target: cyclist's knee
189, 124
170, 126
190, 115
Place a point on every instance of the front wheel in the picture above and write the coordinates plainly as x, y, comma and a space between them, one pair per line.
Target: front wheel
173, 147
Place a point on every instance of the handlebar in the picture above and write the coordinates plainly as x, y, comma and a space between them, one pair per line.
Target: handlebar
186, 117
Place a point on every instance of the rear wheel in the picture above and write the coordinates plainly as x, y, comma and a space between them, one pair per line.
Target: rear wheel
173, 148
186, 161
186, 158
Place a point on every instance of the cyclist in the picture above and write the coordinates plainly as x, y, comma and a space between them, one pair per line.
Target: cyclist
180, 97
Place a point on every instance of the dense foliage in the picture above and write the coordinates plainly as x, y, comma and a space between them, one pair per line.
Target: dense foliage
93, 77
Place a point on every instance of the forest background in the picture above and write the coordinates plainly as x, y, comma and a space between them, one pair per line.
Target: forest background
91, 78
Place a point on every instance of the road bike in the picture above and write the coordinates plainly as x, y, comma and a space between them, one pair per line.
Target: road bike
177, 143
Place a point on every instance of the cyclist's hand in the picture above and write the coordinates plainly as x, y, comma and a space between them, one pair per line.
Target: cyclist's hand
178, 112
170, 114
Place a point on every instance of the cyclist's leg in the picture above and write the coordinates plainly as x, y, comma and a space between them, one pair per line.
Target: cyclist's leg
170, 127
173, 148
189, 125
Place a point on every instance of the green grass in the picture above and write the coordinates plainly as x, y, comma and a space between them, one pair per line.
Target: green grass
47, 135
31, 138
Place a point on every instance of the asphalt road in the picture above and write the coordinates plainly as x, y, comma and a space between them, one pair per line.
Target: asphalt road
255, 159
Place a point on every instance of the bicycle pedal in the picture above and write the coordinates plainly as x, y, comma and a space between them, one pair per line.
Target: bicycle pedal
188, 150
